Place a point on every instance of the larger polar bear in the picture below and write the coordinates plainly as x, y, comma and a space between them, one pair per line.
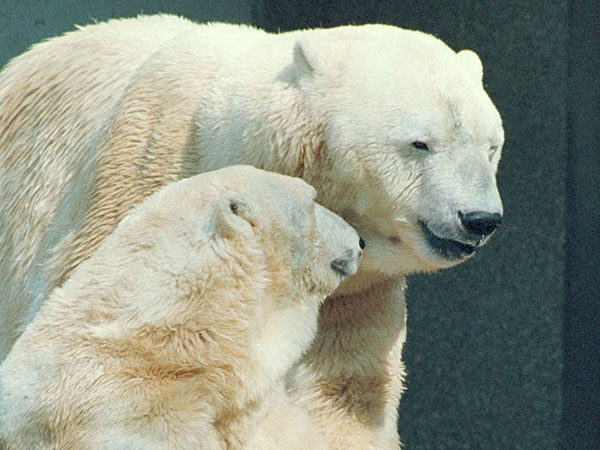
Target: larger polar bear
174, 333
392, 127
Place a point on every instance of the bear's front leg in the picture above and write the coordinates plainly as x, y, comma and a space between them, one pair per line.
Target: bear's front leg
351, 379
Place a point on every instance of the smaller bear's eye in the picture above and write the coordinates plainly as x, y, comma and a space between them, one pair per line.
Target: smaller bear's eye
419, 145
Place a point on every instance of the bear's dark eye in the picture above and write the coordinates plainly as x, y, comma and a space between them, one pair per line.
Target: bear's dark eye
419, 145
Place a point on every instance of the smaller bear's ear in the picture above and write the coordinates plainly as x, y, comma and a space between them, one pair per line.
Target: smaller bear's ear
236, 214
302, 60
472, 64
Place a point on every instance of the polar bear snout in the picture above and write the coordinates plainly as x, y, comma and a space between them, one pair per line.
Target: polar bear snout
348, 265
345, 247
480, 224
460, 239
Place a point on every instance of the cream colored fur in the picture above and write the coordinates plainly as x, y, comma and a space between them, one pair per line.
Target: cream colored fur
177, 331
93, 122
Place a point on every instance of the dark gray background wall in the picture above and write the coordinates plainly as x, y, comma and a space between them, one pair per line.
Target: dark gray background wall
503, 350
24, 22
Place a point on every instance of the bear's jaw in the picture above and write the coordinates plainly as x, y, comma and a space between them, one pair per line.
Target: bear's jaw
410, 247
449, 249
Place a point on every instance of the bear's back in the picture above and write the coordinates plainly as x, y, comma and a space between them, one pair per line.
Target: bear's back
66, 106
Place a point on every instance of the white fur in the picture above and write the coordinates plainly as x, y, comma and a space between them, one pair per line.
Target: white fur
102, 117
177, 332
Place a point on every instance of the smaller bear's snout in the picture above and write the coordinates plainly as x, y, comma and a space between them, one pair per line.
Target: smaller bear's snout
341, 266
348, 265
480, 223
344, 266
342, 243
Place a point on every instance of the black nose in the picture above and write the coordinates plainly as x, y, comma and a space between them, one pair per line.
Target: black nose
361, 243
480, 223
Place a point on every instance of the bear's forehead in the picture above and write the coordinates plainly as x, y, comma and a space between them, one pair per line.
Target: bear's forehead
290, 207
446, 103
403, 47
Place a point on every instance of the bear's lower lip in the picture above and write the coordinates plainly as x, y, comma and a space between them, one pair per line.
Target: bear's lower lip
447, 248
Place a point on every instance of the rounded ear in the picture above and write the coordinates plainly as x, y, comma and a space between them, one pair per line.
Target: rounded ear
236, 214
303, 61
313, 57
472, 64
318, 54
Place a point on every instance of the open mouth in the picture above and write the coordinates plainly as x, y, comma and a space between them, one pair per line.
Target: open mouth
447, 248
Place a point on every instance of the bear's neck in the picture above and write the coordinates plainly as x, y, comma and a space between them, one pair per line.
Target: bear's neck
353, 368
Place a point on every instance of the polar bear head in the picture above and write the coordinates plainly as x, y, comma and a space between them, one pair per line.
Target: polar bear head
262, 227
307, 248
240, 251
411, 143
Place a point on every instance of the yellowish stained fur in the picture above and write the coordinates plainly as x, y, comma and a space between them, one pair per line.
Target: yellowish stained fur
175, 333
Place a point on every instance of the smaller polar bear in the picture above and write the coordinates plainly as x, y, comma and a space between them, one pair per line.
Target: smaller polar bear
177, 331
